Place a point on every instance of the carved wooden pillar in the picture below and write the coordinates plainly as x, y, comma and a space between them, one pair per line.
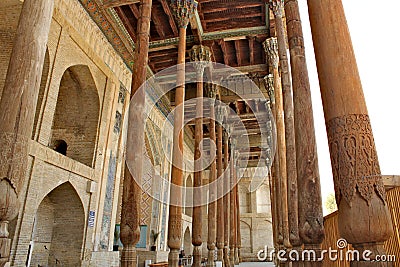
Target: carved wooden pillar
360, 193
17, 105
201, 55
212, 206
220, 189
131, 196
271, 46
183, 10
274, 185
311, 229
238, 233
226, 199
277, 9
233, 208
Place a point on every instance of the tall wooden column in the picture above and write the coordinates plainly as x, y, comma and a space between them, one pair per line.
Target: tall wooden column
271, 46
212, 206
220, 187
277, 9
226, 199
364, 220
274, 185
183, 10
201, 55
238, 233
311, 230
131, 195
233, 207
17, 106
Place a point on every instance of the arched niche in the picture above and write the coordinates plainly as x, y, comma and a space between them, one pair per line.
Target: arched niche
57, 235
77, 115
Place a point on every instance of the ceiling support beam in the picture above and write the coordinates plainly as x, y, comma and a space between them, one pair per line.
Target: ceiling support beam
117, 3
171, 20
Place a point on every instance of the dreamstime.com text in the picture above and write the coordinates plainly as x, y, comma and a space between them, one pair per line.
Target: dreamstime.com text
338, 254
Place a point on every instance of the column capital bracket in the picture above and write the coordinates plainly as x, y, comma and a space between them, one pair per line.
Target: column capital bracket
271, 49
277, 7
183, 10
201, 56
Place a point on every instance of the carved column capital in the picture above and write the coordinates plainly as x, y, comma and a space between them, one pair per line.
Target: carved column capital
271, 49
201, 56
277, 7
220, 113
183, 10
269, 81
211, 90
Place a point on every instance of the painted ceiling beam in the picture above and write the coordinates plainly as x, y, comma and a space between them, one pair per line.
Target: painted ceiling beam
115, 3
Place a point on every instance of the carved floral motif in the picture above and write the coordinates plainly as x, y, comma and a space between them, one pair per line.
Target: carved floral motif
183, 10
354, 159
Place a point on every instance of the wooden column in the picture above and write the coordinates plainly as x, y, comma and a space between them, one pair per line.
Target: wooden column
311, 230
274, 172
277, 9
201, 55
238, 233
17, 106
364, 220
233, 208
220, 187
212, 206
183, 10
271, 46
131, 195
226, 199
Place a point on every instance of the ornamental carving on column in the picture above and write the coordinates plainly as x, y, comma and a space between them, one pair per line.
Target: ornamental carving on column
211, 90
354, 159
183, 10
269, 80
277, 7
271, 49
201, 56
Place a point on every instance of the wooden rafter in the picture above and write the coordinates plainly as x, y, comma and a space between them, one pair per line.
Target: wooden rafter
126, 22
155, 17
251, 49
135, 10
171, 20
238, 52
117, 3
223, 6
222, 43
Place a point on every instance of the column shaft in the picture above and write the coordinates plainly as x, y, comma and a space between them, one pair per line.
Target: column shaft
17, 106
238, 233
232, 217
226, 199
175, 212
131, 196
212, 206
360, 193
310, 230
220, 190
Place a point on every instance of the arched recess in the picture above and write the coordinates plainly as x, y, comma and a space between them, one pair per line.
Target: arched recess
42, 89
187, 242
58, 230
77, 115
189, 196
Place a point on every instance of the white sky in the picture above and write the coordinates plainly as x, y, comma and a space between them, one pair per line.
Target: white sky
373, 31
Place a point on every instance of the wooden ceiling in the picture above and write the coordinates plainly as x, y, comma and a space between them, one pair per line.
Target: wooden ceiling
233, 29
